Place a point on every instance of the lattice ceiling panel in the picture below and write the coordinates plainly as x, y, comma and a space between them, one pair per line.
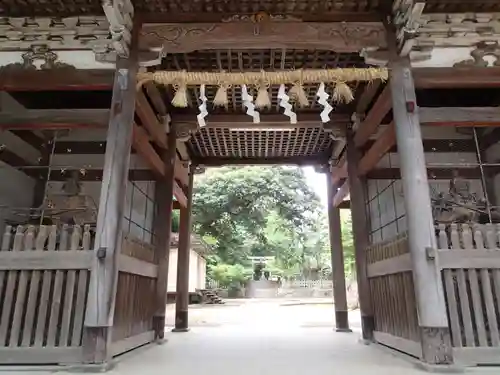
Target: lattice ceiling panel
256, 60
226, 143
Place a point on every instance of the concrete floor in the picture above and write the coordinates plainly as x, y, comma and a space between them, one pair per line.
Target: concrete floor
264, 337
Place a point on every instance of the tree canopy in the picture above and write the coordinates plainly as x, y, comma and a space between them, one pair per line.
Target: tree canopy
261, 211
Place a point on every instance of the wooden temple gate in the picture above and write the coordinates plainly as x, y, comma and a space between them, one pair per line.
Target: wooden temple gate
108, 109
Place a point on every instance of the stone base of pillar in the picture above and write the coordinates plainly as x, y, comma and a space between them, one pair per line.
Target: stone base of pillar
181, 321
367, 327
342, 321
436, 345
159, 327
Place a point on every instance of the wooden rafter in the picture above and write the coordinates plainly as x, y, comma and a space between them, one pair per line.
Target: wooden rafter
342, 193
141, 144
367, 96
339, 171
374, 118
149, 120
153, 129
377, 151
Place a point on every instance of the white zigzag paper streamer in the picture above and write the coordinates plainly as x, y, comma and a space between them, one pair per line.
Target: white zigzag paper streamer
323, 100
248, 103
284, 103
202, 107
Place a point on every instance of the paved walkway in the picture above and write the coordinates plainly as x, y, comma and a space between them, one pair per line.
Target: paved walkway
263, 338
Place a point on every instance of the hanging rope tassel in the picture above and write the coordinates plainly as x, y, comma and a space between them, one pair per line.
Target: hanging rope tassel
202, 107
284, 103
342, 93
220, 99
298, 95
180, 99
263, 100
323, 100
248, 103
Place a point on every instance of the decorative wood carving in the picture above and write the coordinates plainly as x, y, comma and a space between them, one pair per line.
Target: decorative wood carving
96, 33
184, 130
37, 53
483, 50
338, 36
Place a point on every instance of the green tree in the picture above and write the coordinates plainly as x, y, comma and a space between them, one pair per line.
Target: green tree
348, 243
256, 211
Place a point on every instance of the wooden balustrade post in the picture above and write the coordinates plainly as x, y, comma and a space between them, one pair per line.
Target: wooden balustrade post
337, 252
108, 240
164, 194
360, 234
432, 316
183, 254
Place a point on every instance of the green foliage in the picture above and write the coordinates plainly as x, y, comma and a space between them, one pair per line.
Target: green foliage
229, 275
348, 243
264, 211
237, 206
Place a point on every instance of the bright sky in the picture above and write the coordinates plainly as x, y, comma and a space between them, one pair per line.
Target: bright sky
317, 182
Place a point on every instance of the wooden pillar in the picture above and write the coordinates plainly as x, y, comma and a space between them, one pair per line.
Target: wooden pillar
164, 194
432, 316
337, 252
108, 240
360, 234
183, 253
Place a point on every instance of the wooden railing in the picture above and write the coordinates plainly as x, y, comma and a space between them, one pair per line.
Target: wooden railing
469, 257
393, 296
44, 275
135, 297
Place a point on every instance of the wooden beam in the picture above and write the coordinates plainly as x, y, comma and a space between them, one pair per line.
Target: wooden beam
55, 79
337, 260
345, 205
11, 158
341, 194
156, 98
243, 35
90, 174
339, 171
481, 115
54, 119
381, 147
164, 192
38, 143
455, 78
367, 96
109, 228
305, 16
183, 257
432, 173
235, 121
464, 124
141, 144
374, 118
285, 160
437, 145
150, 121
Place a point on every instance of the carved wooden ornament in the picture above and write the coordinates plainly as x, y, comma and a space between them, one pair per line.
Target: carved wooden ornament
337, 36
